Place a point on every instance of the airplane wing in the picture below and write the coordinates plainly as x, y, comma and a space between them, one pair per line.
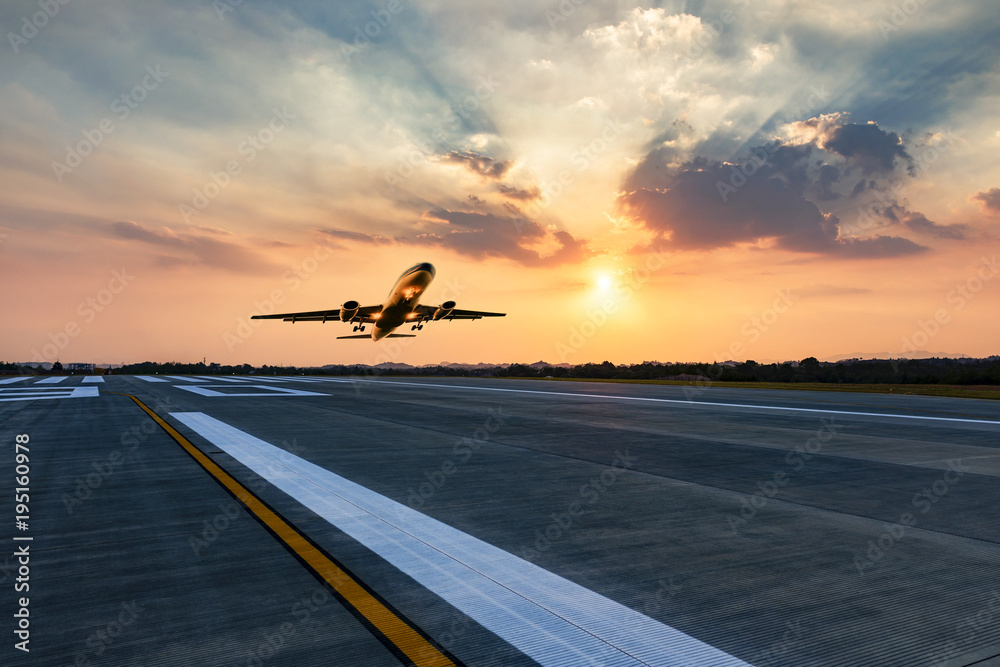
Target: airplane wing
364, 314
427, 312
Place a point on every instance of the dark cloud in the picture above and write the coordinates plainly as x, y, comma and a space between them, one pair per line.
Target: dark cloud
989, 200
486, 167
775, 193
919, 223
482, 235
525, 194
697, 207
191, 248
868, 146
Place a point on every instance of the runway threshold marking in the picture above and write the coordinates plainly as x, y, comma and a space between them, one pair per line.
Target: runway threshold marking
41, 393
552, 620
402, 638
677, 401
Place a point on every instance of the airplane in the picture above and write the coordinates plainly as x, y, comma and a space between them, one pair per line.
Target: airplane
401, 307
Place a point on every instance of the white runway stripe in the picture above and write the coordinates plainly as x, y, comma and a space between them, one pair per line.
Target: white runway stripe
52, 380
615, 397
93, 378
12, 380
149, 378
185, 378
43, 393
551, 619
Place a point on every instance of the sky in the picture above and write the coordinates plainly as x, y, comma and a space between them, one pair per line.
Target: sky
682, 181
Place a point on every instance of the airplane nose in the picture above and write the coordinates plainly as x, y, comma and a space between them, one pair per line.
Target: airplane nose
428, 267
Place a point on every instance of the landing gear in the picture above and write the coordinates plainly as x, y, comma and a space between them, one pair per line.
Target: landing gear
359, 327
416, 327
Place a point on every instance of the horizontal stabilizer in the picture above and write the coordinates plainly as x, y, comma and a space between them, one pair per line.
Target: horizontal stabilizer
369, 336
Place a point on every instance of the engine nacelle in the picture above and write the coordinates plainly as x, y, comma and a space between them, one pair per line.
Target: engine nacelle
349, 311
444, 310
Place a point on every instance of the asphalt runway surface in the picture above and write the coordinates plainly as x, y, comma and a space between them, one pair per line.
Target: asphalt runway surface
383, 521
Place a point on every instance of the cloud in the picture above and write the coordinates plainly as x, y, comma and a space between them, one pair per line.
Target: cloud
487, 167
919, 223
865, 145
821, 290
194, 250
791, 193
482, 235
360, 237
989, 200
526, 194
688, 213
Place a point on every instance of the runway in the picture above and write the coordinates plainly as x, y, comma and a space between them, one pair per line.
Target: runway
386, 521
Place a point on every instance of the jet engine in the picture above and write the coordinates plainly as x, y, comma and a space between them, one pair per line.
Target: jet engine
443, 310
349, 310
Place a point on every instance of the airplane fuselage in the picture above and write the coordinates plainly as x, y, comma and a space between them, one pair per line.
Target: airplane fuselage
399, 307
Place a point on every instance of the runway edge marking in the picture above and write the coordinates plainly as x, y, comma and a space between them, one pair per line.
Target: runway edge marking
403, 639
620, 397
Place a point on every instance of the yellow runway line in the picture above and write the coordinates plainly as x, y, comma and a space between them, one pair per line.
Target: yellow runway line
394, 629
